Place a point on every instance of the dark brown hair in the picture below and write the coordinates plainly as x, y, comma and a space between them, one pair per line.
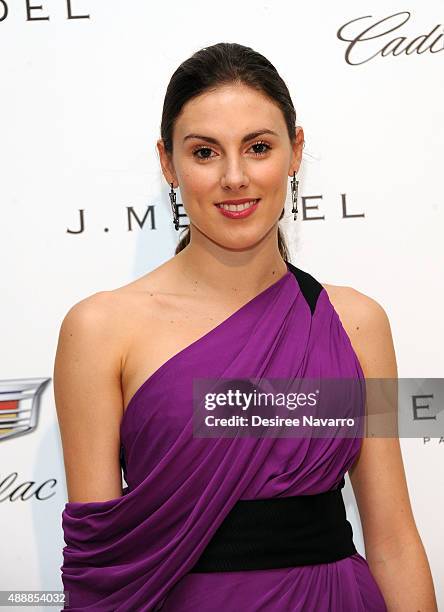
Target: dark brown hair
222, 64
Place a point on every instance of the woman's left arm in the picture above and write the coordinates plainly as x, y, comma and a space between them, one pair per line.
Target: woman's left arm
393, 546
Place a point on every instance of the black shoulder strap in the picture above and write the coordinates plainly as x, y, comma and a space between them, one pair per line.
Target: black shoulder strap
310, 287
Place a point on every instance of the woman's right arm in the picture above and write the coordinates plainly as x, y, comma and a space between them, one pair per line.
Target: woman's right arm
87, 392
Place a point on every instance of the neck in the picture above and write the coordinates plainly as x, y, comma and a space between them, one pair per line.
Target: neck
243, 273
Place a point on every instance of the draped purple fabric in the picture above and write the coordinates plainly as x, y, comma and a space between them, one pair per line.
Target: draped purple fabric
134, 553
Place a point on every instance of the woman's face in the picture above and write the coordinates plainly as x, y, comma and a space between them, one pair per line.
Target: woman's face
229, 144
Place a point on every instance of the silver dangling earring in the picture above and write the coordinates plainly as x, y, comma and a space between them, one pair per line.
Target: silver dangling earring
294, 195
174, 206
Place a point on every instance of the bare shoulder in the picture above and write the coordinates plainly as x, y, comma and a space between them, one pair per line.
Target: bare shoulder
353, 306
368, 327
109, 312
97, 308
100, 319
88, 398
96, 336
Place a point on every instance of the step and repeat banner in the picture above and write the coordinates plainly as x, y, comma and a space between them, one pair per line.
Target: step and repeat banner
85, 207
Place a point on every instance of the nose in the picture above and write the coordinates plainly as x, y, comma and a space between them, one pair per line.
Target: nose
234, 176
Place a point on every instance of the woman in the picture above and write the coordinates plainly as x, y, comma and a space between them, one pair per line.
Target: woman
229, 303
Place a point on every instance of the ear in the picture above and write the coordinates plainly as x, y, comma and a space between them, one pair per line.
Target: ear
297, 147
167, 164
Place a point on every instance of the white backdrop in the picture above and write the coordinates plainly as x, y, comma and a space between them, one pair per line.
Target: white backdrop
82, 89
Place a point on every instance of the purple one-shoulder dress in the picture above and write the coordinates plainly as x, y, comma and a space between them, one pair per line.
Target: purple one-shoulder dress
134, 553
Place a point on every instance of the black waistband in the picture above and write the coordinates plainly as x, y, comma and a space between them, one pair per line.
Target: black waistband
280, 532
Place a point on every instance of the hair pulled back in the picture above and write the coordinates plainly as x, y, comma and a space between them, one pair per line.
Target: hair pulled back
222, 64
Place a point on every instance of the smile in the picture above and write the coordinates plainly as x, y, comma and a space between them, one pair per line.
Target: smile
238, 211
238, 207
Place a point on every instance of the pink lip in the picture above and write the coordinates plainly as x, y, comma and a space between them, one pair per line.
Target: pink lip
232, 214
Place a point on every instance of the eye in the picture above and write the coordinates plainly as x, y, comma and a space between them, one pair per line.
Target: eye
205, 150
204, 153
261, 144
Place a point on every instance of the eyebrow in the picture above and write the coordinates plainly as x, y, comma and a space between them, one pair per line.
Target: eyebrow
247, 137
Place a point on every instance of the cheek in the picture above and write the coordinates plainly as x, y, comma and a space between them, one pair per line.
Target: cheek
274, 185
270, 176
196, 180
